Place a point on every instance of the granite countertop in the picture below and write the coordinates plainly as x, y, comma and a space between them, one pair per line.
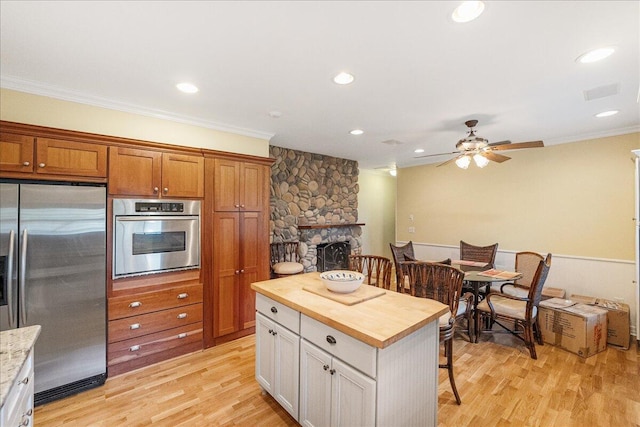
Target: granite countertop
379, 321
15, 346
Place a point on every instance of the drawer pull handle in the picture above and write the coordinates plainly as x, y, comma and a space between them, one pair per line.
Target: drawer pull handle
24, 381
274, 310
333, 371
182, 316
24, 423
26, 164
134, 326
331, 340
135, 304
182, 335
325, 367
29, 412
42, 165
183, 295
134, 348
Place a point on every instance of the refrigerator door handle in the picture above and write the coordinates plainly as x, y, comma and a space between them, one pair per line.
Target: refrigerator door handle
9, 280
23, 276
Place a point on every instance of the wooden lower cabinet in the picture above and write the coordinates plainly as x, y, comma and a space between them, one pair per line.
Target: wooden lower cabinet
152, 326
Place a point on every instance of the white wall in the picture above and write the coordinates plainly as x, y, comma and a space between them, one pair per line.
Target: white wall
377, 209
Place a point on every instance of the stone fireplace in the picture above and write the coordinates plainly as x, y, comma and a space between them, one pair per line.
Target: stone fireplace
314, 200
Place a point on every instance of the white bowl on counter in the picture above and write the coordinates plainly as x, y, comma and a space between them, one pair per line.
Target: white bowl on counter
342, 281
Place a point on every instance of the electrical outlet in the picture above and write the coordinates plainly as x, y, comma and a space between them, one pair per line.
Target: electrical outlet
412, 229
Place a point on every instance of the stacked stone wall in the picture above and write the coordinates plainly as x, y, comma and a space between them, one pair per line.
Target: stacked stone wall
313, 189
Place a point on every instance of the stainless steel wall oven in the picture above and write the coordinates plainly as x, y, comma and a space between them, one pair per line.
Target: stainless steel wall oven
155, 236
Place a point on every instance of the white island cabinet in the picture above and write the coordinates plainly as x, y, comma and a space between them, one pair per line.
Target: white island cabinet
16, 376
372, 363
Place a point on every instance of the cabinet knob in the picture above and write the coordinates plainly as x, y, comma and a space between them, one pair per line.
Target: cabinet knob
242, 206
155, 190
42, 165
183, 295
331, 339
134, 348
26, 164
236, 206
135, 304
242, 270
274, 310
332, 371
24, 381
237, 271
182, 335
134, 326
165, 190
25, 421
325, 367
182, 316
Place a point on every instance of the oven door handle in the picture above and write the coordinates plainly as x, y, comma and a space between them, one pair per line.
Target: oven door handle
143, 218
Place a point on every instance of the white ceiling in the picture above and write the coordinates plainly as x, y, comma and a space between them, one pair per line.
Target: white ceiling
419, 75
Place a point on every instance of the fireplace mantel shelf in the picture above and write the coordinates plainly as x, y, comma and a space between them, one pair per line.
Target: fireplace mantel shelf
315, 226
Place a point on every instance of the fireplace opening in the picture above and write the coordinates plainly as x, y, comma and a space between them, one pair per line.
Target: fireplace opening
333, 256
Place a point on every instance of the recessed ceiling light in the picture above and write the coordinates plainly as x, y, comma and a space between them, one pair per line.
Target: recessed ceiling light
344, 78
595, 55
467, 11
357, 132
187, 87
275, 114
607, 113
419, 150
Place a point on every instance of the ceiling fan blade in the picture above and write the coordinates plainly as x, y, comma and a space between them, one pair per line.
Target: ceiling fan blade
495, 157
493, 144
517, 145
435, 155
450, 160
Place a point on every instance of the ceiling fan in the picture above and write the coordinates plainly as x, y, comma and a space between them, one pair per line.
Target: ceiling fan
480, 150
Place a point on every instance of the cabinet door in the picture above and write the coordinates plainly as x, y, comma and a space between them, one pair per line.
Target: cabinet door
226, 193
16, 153
353, 397
134, 172
265, 353
253, 187
287, 359
253, 261
315, 386
59, 157
182, 175
226, 273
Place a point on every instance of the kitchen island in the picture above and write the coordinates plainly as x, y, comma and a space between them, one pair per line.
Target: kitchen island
332, 362
16, 379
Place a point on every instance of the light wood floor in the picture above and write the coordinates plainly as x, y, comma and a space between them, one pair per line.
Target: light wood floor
499, 383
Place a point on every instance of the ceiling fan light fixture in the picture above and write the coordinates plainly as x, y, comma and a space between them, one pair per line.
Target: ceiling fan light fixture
467, 11
480, 160
463, 162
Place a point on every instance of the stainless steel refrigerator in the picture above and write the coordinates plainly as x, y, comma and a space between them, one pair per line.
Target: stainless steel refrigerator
53, 261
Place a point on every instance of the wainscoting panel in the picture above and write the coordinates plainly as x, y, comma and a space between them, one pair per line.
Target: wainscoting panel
602, 278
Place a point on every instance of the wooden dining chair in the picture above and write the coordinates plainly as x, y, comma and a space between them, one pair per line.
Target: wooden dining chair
527, 265
469, 252
401, 254
376, 269
285, 259
442, 283
521, 312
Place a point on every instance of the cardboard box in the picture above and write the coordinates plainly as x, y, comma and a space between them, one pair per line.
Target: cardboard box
618, 319
575, 327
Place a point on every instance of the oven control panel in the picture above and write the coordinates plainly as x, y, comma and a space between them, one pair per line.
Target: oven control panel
160, 207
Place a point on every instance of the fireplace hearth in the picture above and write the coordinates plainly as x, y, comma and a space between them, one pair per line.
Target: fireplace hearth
333, 256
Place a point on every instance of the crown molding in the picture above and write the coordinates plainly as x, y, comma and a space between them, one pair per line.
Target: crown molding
50, 91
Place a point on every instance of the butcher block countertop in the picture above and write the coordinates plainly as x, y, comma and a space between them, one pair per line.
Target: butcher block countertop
378, 321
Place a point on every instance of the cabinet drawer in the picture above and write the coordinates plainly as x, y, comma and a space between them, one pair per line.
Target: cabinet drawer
133, 305
356, 353
146, 345
136, 326
280, 313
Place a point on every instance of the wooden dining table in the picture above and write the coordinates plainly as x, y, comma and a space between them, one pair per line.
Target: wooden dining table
476, 277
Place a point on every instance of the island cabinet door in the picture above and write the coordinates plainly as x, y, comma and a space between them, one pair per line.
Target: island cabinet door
265, 353
353, 396
315, 386
287, 369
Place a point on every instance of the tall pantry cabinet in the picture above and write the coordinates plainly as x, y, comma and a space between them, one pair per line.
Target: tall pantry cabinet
237, 230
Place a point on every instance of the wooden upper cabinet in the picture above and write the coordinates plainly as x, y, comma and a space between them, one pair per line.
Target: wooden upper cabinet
16, 152
20, 153
182, 175
240, 186
134, 172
